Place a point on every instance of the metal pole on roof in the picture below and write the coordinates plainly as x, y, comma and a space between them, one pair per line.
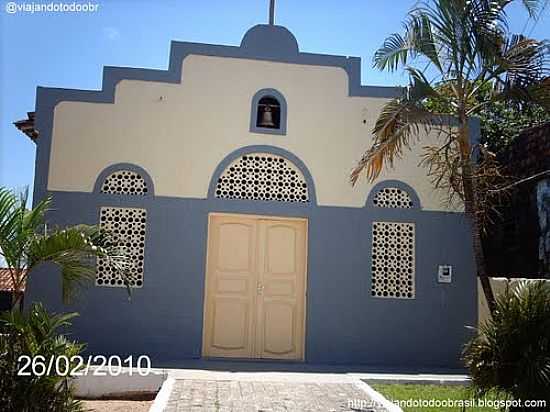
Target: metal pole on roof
272, 12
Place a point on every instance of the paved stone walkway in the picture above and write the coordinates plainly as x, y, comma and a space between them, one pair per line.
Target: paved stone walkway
194, 395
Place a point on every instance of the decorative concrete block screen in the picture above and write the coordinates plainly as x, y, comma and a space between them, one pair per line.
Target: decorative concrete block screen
127, 229
393, 260
124, 182
393, 197
262, 176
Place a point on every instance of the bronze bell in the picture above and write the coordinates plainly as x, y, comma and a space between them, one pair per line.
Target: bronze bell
266, 119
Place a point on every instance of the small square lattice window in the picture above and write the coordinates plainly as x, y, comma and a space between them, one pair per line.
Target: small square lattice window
124, 182
393, 260
393, 197
262, 176
127, 230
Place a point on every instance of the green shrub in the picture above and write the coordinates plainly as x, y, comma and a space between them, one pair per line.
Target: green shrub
511, 353
35, 333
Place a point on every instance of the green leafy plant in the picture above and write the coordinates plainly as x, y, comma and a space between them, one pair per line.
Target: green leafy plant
454, 51
500, 122
26, 242
511, 352
32, 334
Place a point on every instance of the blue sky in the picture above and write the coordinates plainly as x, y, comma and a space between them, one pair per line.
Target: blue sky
69, 49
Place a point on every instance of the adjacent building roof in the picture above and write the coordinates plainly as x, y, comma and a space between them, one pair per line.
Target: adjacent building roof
27, 126
6, 285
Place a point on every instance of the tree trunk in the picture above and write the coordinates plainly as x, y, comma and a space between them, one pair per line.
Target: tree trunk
471, 208
17, 293
16, 300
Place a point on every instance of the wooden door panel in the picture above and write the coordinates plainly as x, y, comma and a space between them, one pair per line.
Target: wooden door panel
236, 246
279, 329
282, 265
230, 287
231, 319
280, 244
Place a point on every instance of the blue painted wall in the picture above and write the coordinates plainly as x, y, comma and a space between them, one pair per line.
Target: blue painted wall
345, 324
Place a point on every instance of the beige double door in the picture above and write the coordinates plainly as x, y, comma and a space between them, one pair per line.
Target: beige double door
255, 287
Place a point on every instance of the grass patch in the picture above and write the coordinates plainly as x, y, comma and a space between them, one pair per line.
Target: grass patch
433, 393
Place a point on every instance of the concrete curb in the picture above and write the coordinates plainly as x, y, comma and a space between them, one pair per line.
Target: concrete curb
378, 398
100, 383
161, 400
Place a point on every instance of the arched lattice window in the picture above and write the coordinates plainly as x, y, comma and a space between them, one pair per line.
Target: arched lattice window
393, 197
125, 182
262, 176
393, 260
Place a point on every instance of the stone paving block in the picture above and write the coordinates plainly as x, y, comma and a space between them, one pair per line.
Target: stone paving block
194, 395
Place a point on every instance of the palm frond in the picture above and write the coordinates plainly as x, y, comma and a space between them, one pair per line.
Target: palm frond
525, 59
25, 243
33, 219
73, 250
14, 230
443, 164
487, 25
522, 72
539, 93
399, 122
8, 202
417, 41
474, 30
394, 51
533, 7
8, 214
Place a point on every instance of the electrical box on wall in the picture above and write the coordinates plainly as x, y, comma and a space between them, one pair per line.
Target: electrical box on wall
445, 274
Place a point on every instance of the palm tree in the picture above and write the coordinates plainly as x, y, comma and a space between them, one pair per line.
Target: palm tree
25, 243
460, 49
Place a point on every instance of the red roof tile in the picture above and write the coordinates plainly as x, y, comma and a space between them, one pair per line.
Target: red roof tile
6, 284
27, 126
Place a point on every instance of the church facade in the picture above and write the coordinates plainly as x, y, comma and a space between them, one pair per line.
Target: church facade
226, 178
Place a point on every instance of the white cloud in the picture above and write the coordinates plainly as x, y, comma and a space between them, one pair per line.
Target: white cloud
111, 33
